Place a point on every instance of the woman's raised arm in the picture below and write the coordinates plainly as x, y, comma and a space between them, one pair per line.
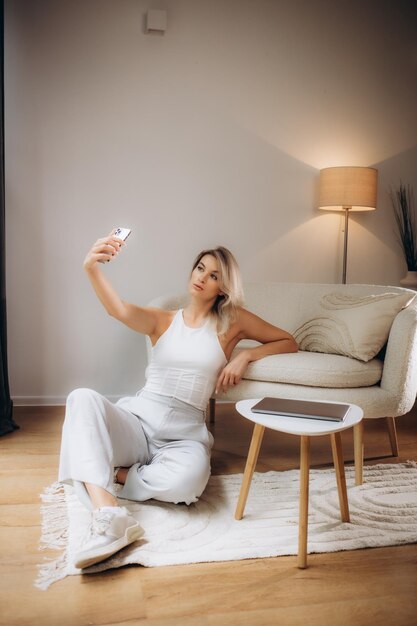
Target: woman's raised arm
141, 319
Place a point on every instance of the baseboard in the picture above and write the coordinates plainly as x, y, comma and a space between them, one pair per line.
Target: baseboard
47, 400
61, 400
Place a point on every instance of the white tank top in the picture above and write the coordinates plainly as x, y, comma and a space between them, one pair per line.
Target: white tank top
186, 362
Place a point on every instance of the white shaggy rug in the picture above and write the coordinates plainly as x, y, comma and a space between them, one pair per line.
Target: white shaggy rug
383, 512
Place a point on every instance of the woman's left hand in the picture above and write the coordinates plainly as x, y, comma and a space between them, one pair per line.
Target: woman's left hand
232, 374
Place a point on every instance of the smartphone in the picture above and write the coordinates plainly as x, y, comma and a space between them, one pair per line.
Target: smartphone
122, 233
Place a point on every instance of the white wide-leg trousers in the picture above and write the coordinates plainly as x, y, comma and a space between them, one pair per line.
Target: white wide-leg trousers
164, 442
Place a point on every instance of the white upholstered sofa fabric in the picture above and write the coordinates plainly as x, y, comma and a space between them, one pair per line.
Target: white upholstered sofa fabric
316, 370
305, 375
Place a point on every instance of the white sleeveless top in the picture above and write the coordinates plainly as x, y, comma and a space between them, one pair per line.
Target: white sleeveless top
186, 362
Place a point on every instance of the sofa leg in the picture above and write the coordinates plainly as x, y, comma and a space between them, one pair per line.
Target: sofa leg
392, 432
212, 410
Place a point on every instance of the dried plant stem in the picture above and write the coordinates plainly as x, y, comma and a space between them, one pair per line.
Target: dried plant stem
403, 204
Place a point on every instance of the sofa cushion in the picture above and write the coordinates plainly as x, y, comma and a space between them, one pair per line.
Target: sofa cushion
315, 370
350, 325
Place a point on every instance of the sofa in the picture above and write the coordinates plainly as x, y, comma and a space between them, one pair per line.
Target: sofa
357, 344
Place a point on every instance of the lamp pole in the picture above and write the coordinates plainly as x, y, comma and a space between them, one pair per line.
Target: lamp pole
345, 244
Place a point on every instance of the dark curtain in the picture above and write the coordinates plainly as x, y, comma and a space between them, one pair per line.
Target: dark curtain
7, 423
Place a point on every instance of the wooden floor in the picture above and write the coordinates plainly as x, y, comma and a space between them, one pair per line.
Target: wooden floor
374, 586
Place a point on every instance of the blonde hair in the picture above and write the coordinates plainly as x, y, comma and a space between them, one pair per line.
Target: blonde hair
224, 309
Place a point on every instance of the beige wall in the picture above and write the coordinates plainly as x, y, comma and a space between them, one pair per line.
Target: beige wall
212, 134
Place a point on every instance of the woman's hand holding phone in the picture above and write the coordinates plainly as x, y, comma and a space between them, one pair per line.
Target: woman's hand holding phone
106, 248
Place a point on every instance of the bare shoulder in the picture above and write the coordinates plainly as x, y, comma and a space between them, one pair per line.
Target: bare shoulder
252, 326
245, 317
163, 319
160, 314
236, 329
243, 313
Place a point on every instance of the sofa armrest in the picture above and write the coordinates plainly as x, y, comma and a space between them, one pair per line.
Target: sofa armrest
399, 376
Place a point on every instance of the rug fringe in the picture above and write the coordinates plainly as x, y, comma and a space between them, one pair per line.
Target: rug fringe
54, 518
54, 535
51, 571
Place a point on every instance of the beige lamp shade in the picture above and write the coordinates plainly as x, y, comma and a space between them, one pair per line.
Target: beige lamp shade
352, 188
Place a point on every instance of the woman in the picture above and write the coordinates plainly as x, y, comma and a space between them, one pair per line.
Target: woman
156, 444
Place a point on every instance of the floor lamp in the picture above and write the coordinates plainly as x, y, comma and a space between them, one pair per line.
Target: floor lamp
348, 189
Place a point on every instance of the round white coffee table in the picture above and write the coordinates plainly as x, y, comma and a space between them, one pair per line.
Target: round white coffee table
305, 428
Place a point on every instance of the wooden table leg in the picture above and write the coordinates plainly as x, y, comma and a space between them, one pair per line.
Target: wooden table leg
303, 517
339, 467
358, 451
255, 444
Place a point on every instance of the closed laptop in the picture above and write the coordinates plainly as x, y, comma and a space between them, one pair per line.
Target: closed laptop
309, 409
